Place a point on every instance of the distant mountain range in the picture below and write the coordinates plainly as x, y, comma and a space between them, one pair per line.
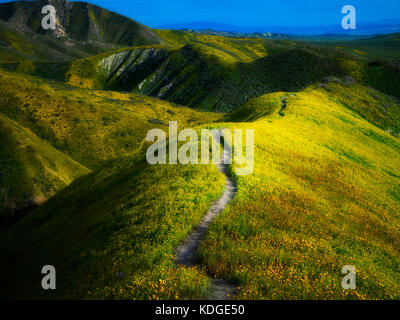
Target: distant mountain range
366, 28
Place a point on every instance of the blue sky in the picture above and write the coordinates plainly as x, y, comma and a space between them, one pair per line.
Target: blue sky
250, 13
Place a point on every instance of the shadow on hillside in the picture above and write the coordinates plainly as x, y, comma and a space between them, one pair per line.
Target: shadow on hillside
15, 202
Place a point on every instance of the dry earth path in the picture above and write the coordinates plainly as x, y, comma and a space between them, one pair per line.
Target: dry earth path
186, 253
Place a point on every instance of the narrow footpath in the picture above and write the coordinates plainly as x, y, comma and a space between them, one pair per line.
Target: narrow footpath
186, 253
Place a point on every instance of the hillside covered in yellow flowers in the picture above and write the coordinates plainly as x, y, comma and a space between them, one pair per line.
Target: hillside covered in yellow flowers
77, 192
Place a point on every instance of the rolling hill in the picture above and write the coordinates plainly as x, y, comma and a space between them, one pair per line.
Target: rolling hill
52, 133
77, 192
31, 170
92, 127
197, 70
219, 74
324, 194
119, 230
380, 47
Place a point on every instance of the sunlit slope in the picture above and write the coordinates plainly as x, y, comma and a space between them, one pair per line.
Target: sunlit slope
325, 193
372, 105
31, 170
378, 108
225, 49
112, 235
91, 127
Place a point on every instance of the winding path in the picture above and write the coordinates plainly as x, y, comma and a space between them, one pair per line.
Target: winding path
186, 253
283, 106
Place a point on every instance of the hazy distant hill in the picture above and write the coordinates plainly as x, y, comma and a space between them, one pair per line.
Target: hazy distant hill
368, 28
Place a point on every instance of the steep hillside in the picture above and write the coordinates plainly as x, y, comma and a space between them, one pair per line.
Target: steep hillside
82, 30
22, 48
78, 21
31, 170
91, 127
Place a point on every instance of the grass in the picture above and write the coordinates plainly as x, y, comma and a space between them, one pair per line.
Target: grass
83, 30
91, 127
226, 50
88, 72
323, 195
116, 237
21, 46
31, 169
82, 24
256, 108
128, 215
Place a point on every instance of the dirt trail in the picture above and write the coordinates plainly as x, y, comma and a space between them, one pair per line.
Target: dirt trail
186, 253
283, 106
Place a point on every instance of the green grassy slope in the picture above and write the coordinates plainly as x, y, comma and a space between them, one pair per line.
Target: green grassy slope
116, 236
324, 194
381, 110
91, 127
31, 170
119, 203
